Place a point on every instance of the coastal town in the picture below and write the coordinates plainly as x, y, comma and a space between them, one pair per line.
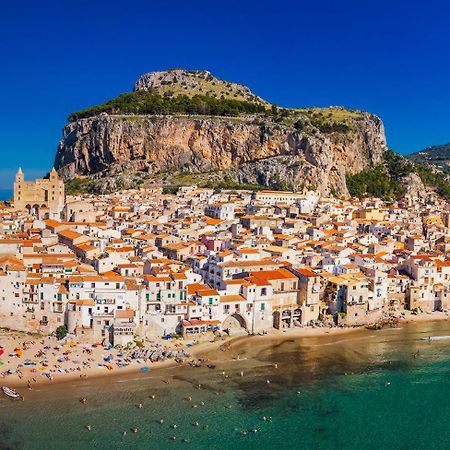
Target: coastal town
224, 226
141, 264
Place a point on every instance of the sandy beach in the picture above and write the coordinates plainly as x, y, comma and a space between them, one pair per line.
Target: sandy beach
28, 360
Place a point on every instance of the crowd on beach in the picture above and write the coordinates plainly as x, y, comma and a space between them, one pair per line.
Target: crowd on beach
28, 359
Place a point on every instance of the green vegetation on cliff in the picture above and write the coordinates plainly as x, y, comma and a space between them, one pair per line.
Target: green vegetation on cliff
386, 180
150, 103
78, 186
374, 182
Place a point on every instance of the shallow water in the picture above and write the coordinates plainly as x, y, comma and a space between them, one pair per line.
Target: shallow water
359, 390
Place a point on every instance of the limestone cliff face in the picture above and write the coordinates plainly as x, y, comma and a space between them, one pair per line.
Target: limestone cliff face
247, 151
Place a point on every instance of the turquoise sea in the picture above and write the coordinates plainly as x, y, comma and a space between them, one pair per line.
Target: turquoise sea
386, 389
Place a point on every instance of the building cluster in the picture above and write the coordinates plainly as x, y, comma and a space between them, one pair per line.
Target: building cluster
142, 264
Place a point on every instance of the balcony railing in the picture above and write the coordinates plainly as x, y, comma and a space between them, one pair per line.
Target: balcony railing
105, 301
103, 314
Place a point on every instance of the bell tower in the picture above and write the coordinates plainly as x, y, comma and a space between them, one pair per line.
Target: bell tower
19, 176
19, 185
54, 174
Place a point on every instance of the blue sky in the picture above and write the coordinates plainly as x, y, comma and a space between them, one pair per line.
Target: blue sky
387, 57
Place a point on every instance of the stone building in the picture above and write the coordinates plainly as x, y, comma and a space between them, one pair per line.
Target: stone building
43, 197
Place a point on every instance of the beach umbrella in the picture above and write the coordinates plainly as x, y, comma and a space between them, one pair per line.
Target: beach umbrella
2, 351
1, 363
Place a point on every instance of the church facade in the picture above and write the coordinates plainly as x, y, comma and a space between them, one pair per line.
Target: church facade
42, 197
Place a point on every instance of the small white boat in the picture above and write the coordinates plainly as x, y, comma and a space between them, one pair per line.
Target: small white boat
10, 392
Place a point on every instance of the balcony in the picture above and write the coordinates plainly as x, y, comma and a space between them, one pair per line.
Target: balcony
99, 314
30, 300
105, 301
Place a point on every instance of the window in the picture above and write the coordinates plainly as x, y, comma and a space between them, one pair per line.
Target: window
210, 300
263, 291
263, 307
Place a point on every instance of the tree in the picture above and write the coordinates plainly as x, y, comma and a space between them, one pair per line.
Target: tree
299, 125
61, 332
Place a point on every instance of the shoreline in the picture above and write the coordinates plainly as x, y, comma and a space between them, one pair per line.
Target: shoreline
205, 350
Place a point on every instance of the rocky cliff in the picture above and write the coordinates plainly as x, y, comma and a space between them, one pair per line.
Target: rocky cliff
281, 148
